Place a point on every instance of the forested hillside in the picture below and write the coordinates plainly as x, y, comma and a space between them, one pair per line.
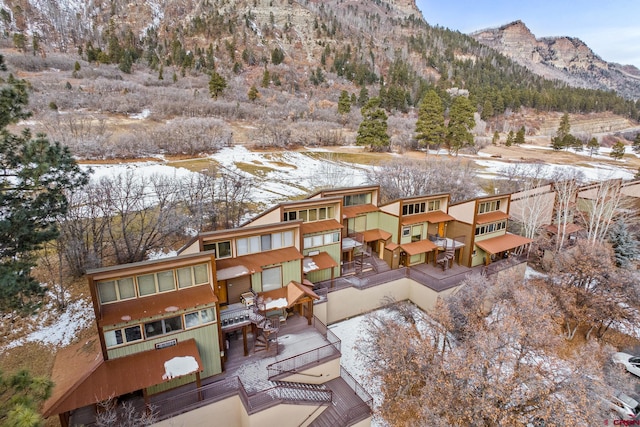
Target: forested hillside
307, 48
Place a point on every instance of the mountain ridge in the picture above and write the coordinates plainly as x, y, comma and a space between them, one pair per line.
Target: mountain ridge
563, 58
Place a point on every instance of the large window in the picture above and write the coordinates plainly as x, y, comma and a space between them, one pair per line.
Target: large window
310, 215
152, 283
490, 228
223, 249
421, 207
194, 275
321, 239
201, 317
357, 199
271, 278
265, 242
492, 206
149, 284
434, 205
115, 290
122, 336
163, 326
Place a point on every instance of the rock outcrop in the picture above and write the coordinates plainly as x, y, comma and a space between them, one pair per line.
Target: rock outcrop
563, 58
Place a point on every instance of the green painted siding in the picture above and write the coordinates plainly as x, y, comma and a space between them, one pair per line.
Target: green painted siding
256, 282
389, 223
335, 252
372, 220
417, 259
319, 275
291, 270
209, 349
481, 254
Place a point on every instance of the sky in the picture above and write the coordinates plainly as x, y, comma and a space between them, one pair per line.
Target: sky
609, 28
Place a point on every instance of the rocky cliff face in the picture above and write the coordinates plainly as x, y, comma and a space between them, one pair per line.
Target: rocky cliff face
564, 58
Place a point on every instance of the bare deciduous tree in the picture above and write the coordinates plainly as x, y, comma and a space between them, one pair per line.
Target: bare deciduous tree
142, 214
405, 178
110, 414
271, 134
598, 207
502, 368
565, 186
233, 198
589, 290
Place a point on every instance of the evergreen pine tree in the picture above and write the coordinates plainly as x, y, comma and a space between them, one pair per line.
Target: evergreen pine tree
561, 139
36, 174
510, 138
363, 96
266, 79
430, 124
372, 131
593, 146
617, 151
217, 84
461, 122
253, 93
487, 110
277, 56
344, 103
519, 139
636, 144
625, 245
496, 138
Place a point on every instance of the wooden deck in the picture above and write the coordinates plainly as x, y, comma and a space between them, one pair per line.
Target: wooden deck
347, 407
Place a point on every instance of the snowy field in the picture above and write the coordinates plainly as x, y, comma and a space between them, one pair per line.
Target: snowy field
280, 176
283, 175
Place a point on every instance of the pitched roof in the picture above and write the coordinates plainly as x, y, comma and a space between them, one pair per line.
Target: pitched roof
419, 247
293, 292
432, 217
488, 217
319, 226
255, 262
320, 261
375, 234
502, 243
82, 377
157, 304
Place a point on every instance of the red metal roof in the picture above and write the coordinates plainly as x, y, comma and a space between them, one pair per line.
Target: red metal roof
491, 217
432, 217
419, 247
354, 211
82, 377
255, 262
322, 261
157, 304
375, 234
568, 229
319, 226
502, 243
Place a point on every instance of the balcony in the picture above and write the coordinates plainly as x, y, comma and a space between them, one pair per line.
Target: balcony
259, 379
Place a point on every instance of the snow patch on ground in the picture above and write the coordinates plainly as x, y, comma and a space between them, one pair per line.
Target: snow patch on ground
59, 330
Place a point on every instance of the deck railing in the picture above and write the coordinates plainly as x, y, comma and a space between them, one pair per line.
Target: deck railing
362, 410
505, 264
300, 361
219, 390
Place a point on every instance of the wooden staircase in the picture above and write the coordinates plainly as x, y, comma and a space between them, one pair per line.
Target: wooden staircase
303, 392
265, 330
